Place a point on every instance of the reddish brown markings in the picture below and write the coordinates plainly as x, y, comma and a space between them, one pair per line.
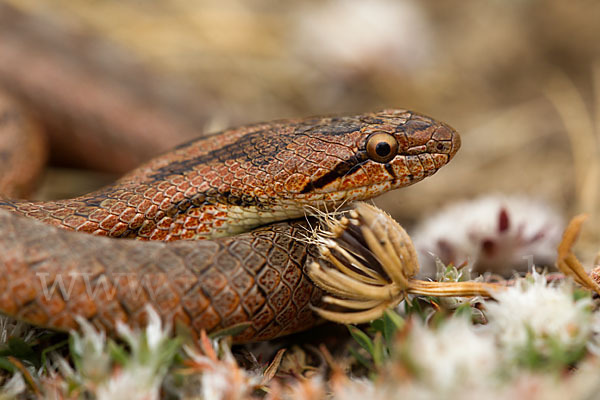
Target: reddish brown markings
255, 277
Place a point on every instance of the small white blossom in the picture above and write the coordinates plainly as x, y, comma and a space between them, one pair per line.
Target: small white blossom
137, 383
136, 375
12, 388
222, 378
89, 349
353, 35
538, 311
454, 355
366, 389
154, 333
593, 344
216, 385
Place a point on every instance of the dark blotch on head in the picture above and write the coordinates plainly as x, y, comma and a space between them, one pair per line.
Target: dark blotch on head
345, 167
335, 127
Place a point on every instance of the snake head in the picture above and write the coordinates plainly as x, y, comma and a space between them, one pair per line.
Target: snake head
257, 174
377, 152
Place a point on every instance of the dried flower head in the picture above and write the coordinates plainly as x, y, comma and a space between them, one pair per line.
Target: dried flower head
369, 265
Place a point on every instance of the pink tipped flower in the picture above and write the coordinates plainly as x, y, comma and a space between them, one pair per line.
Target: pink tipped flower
497, 234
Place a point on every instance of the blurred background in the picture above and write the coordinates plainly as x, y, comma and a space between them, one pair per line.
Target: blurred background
520, 80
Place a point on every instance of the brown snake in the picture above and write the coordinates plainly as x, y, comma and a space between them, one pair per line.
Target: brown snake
215, 186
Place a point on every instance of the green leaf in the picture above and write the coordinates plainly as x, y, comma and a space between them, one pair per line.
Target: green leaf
378, 325
6, 365
378, 350
169, 350
233, 330
362, 360
579, 294
464, 310
118, 353
74, 354
50, 349
20, 349
361, 338
392, 323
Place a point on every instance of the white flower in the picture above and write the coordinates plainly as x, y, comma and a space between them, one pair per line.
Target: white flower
89, 348
357, 35
222, 378
91, 338
544, 313
365, 389
136, 375
154, 333
133, 383
454, 355
217, 383
12, 388
499, 234
593, 344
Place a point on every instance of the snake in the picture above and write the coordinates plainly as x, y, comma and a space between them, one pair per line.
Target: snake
210, 233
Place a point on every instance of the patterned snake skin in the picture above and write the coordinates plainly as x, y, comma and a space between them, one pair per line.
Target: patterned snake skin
212, 188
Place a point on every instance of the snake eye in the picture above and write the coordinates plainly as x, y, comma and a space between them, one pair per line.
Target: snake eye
382, 147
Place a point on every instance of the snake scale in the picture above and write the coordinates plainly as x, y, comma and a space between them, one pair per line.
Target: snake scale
243, 190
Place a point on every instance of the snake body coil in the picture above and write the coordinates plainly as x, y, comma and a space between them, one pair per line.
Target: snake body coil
211, 188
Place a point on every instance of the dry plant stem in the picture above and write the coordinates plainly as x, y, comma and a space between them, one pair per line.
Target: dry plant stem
580, 128
583, 130
18, 365
567, 262
271, 370
453, 289
596, 82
